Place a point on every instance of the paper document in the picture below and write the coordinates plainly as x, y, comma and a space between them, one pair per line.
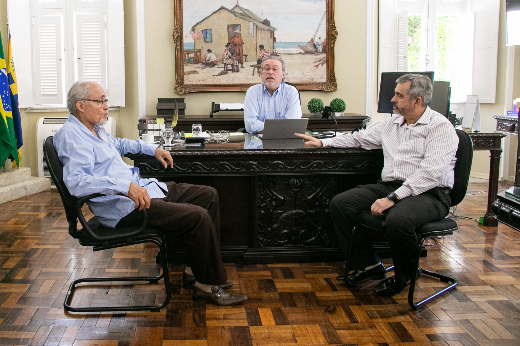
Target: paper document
471, 118
231, 106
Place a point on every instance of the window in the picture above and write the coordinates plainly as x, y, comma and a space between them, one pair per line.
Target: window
457, 39
57, 42
206, 34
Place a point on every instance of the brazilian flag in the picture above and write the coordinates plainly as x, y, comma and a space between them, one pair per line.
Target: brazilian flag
13, 88
8, 148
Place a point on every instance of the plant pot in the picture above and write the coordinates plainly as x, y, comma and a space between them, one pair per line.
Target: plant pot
315, 115
339, 114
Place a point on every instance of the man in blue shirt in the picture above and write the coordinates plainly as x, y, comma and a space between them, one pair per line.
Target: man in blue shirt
272, 99
92, 163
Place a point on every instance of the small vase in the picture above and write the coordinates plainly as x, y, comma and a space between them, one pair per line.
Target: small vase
339, 114
315, 115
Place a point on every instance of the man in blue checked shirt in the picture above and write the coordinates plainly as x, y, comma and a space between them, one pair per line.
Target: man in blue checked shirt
92, 163
272, 99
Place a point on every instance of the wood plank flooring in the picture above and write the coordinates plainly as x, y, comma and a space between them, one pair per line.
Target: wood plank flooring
289, 304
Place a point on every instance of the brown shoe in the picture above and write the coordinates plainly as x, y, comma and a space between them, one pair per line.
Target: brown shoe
188, 281
218, 296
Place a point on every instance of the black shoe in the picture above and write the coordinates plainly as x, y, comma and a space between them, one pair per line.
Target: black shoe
218, 296
188, 281
388, 287
358, 276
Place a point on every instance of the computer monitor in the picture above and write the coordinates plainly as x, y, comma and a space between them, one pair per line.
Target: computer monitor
387, 89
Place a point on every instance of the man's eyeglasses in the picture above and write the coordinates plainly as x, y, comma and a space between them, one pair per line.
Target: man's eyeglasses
267, 69
100, 102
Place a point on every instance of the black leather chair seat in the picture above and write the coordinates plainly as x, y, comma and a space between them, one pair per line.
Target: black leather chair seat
431, 229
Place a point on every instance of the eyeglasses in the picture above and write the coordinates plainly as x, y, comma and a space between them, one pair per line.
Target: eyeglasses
100, 102
267, 69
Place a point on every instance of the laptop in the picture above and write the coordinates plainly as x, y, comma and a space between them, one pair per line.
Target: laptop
284, 128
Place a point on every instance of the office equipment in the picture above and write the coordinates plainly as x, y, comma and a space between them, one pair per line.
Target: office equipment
283, 128
166, 107
441, 98
387, 89
285, 143
217, 107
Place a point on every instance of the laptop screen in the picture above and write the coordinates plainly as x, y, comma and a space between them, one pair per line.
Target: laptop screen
283, 128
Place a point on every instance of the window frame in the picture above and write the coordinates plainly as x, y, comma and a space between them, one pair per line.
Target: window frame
23, 47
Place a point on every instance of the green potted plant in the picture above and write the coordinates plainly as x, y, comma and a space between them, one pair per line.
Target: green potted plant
338, 106
315, 106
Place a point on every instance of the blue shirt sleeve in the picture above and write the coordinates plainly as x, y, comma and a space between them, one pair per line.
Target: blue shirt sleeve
125, 146
78, 164
294, 109
252, 111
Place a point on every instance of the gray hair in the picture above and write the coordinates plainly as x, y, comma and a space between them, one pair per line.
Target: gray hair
274, 57
79, 91
420, 86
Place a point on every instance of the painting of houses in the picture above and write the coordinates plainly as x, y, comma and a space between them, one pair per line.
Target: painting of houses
298, 31
218, 28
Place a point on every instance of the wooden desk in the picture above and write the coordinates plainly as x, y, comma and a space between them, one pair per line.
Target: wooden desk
273, 202
491, 141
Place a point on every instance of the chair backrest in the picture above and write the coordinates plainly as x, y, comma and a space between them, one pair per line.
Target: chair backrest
462, 167
56, 170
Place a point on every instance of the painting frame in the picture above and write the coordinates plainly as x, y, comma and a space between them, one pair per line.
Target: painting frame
181, 88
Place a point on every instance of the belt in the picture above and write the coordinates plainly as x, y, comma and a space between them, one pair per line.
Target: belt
446, 190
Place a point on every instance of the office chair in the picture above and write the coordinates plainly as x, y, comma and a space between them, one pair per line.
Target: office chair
102, 238
443, 227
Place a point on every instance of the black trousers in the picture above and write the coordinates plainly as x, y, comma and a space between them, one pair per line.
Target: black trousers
191, 213
399, 223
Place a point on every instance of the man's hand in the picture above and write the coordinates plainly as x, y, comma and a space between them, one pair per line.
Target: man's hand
164, 157
381, 205
140, 196
310, 141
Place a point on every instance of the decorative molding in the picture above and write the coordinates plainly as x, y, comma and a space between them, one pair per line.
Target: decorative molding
292, 211
274, 166
141, 61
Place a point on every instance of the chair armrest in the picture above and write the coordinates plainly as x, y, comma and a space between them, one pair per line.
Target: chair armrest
117, 235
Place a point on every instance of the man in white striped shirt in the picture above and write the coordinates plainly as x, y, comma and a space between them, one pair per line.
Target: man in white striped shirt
419, 147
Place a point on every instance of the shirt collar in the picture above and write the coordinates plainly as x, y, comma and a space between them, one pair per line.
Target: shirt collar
275, 92
99, 129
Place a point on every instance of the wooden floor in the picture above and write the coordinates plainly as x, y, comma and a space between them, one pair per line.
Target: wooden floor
289, 304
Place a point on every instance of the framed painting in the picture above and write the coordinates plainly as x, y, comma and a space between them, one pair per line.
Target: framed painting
219, 45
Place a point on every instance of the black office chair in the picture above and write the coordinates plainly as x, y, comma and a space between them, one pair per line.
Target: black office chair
432, 229
299, 96
102, 238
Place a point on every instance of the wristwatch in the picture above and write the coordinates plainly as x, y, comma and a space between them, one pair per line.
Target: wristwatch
393, 197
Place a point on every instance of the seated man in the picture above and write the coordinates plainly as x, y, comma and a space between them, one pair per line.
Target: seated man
211, 59
419, 147
262, 54
92, 163
272, 99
